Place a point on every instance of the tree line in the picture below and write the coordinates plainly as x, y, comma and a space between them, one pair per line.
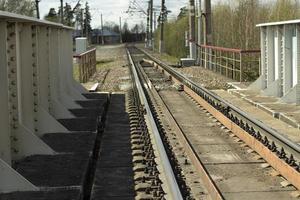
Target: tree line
234, 23
23, 7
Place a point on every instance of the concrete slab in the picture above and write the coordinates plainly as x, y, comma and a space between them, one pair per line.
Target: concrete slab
288, 113
79, 124
250, 179
285, 129
114, 177
71, 142
55, 171
62, 194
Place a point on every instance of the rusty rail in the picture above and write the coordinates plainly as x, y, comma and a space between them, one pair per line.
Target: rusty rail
87, 64
237, 64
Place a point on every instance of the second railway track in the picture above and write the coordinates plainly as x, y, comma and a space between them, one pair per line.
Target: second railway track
220, 152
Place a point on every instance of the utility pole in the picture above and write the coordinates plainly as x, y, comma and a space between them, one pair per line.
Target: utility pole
162, 18
208, 25
154, 21
148, 26
102, 31
207, 30
151, 24
192, 38
121, 41
62, 11
81, 22
37, 8
199, 40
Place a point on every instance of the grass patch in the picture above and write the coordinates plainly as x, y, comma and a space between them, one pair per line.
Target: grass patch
100, 64
76, 71
170, 59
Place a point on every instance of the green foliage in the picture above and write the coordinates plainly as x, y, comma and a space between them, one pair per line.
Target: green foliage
235, 26
52, 15
22, 7
87, 28
174, 35
234, 23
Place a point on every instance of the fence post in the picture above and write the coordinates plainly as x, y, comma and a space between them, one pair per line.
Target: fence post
241, 68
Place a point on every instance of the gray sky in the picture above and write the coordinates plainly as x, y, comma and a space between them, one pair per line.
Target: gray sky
113, 9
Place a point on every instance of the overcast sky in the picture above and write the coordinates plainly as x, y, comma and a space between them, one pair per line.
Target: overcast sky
113, 9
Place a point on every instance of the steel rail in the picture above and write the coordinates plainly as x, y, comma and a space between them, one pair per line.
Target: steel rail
189, 149
292, 146
172, 185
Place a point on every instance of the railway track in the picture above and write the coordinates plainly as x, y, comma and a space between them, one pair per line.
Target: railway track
229, 154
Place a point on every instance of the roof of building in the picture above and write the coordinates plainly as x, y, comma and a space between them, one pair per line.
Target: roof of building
297, 21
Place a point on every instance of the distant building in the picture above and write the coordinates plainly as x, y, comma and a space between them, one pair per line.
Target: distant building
109, 37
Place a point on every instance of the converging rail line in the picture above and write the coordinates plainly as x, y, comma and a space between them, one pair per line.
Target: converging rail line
230, 175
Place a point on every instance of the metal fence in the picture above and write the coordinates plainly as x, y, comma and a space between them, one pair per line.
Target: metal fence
237, 64
87, 64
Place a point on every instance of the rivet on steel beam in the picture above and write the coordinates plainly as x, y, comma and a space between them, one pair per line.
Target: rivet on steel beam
15, 150
13, 138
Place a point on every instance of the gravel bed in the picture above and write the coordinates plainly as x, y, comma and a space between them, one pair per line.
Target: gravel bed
200, 75
112, 70
206, 78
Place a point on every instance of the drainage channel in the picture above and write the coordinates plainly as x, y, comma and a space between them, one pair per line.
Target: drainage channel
90, 175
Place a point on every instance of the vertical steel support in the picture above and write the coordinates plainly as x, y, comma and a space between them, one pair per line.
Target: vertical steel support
45, 122
287, 59
264, 57
298, 64
24, 93
5, 146
192, 37
270, 56
280, 59
57, 108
